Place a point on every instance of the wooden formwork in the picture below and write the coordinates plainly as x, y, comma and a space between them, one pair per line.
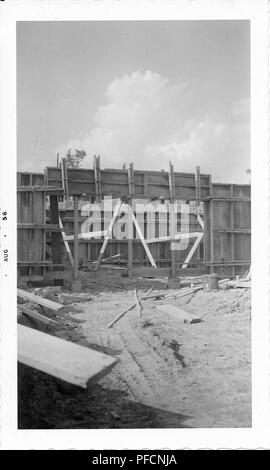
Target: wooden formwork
32, 228
228, 229
225, 247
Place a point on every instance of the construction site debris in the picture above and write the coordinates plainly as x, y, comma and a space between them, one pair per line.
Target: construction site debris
210, 282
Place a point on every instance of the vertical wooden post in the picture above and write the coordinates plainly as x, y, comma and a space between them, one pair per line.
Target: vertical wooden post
96, 165
211, 227
31, 206
172, 232
172, 217
198, 185
130, 221
232, 228
64, 178
55, 236
145, 184
76, 286
171, 183
44, 234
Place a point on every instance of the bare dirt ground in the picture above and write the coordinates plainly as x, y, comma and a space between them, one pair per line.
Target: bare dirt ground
169, 374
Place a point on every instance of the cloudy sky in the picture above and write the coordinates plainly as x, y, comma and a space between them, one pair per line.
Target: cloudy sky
142, 92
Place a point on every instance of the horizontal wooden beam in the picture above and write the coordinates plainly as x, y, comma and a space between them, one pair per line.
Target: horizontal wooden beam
229, 199
62, 359
88, 235
177, 236
40, 189
47, 227
145, 271
241, 230
229, 263
38, 263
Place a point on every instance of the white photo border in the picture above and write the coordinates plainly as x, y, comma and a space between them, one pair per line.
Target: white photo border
257, 12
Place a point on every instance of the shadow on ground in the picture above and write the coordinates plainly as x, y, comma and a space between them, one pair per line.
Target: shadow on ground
48, 403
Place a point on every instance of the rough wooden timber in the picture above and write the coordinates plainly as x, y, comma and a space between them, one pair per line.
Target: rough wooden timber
62, 359
55, 307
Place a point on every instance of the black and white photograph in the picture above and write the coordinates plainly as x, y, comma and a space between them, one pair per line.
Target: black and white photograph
134, 224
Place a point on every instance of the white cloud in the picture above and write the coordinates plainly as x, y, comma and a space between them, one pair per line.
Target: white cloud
142, 121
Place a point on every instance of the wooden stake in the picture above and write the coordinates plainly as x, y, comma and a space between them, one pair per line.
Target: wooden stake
138, 302
128, 309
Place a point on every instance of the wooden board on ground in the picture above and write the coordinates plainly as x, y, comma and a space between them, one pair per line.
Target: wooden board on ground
54, 306
178, 313
62, 359
240, 284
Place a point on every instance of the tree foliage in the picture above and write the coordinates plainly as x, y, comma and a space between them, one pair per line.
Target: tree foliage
74, 158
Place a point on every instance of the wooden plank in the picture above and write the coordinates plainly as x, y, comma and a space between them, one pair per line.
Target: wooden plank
34, 226
55, 307
62, 359
87, 235
177, 236
39, 189
145, 271
37, 316
178, 313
